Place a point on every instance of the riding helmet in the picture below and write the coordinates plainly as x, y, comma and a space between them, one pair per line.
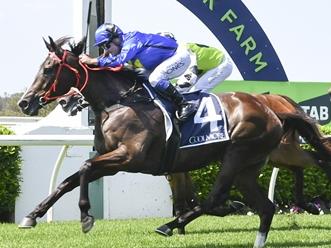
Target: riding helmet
106, 33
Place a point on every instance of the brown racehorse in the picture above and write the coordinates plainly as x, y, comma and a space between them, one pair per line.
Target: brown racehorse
289, 155
130, 136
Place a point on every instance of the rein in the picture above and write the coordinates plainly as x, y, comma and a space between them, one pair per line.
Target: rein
80, 86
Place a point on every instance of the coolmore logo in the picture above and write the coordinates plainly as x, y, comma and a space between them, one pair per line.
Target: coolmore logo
241, 35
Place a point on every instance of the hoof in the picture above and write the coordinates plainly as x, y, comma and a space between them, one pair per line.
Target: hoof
260, 240
27, 223
236, 206
312, 208
87, 223
164, 230
181, 230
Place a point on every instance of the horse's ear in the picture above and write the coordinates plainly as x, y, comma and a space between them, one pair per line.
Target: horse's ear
52, 44
48, 45
79, 48
54, 47
83, 44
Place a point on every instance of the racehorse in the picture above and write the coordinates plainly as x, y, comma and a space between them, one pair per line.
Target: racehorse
289, 155
130, 135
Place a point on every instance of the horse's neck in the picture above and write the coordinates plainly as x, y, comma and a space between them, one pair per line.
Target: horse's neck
106, 88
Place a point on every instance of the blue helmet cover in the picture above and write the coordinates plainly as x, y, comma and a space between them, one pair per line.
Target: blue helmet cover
106, 33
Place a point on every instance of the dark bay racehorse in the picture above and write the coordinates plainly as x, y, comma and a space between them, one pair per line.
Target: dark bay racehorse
289, 155
130, 136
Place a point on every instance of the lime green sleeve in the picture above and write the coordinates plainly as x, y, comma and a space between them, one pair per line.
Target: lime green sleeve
207, 57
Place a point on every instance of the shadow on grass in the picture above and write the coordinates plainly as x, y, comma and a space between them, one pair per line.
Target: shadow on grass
325, 243
269, 245
255, 229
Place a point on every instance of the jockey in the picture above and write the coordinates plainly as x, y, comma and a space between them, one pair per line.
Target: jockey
160, 56
209, 67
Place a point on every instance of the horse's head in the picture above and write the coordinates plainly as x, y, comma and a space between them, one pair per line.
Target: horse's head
57, 74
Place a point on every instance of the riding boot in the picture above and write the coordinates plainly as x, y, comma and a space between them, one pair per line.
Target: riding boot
184, 108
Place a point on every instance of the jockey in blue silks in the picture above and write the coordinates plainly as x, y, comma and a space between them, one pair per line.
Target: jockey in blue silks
160, 56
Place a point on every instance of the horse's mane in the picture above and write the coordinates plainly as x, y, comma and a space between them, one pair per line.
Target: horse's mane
133, 74
64, 40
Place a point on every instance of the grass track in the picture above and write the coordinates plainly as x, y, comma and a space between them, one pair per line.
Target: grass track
207, 232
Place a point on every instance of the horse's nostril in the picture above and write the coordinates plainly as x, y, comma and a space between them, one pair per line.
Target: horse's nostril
23, 104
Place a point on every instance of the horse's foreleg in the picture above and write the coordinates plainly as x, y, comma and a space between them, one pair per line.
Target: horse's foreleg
217, 196
67, 185
182, 187
184, 201
191, 198
177, 182
84, 202
298, 193
180, 222
106, 164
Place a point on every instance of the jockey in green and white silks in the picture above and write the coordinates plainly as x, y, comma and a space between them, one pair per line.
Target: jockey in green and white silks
209, 67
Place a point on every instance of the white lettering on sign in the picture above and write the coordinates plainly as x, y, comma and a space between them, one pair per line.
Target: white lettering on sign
320, 113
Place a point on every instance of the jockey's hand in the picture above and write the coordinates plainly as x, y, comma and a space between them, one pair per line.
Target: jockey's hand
88, 60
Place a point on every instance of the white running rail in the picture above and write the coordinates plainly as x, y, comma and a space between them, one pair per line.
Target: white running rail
49, 140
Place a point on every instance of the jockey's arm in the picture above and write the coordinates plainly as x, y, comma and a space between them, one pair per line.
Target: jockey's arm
129, 50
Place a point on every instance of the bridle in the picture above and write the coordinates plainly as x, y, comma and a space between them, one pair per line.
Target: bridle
78, 84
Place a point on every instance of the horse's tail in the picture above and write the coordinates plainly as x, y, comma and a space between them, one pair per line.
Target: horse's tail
294, 104
308, 130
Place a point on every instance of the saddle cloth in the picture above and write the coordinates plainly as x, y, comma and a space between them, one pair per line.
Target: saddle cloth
207, 125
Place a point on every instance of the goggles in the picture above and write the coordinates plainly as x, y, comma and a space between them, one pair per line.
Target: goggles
106, 45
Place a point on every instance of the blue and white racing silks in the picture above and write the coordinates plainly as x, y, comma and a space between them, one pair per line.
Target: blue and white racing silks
144, 50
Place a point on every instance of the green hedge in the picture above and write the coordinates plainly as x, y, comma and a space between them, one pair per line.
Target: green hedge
10, 168
315, 181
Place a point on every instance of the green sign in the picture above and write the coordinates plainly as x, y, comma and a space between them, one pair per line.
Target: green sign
313, 97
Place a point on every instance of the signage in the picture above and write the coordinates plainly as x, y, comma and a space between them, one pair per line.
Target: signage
241, 35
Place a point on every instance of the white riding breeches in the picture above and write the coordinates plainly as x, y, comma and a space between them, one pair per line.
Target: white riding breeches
172, 67
213, 77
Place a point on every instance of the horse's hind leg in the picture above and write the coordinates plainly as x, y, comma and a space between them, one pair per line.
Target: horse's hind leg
247, 184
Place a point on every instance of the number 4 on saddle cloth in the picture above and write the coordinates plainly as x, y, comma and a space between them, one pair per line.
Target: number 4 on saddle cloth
207, 125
